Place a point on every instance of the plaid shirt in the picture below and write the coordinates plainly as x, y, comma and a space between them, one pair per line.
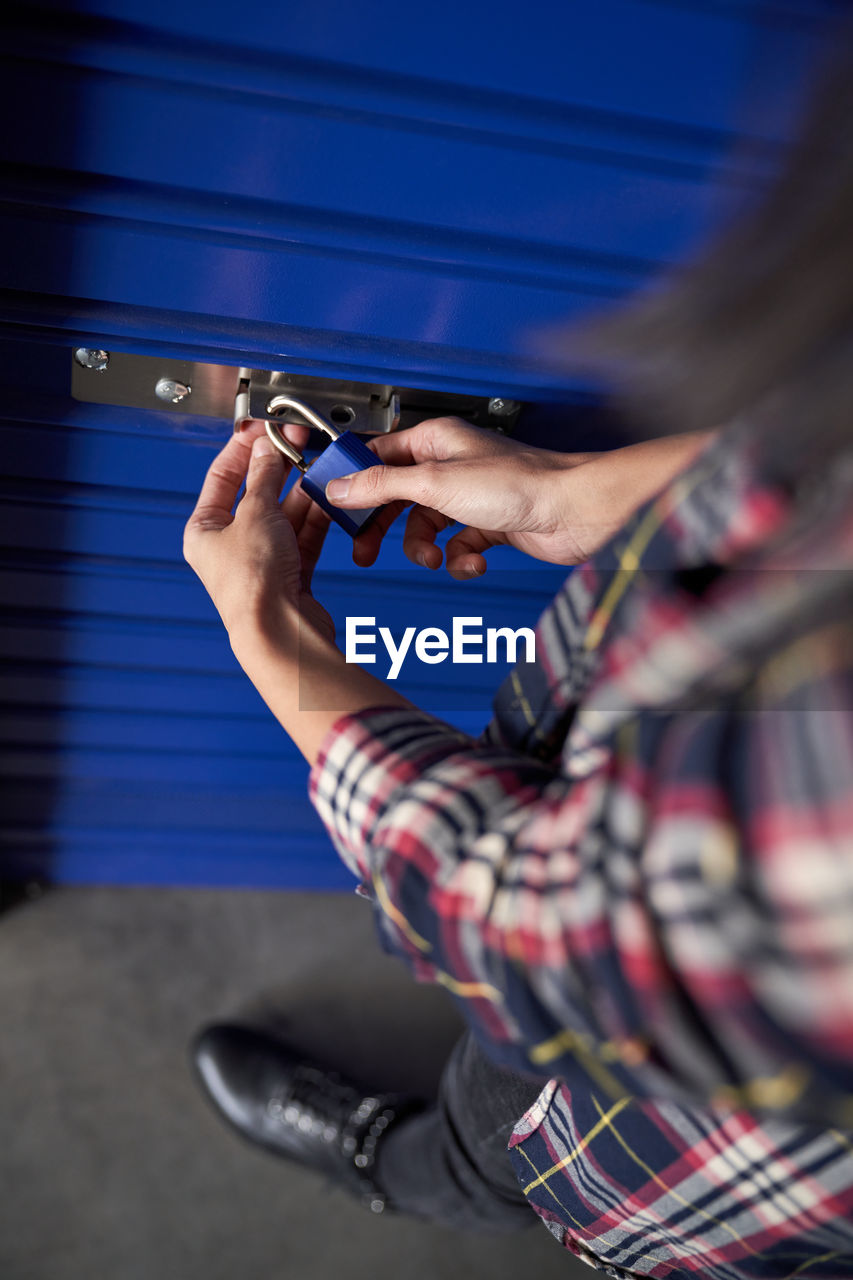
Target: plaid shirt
638, 882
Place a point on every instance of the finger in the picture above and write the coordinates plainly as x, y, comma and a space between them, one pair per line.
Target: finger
432, 439
310, 524
295, 505
296, 432
422, 528
366, 544
380, 484
222, 483
464, 552
410, 453
399, 448
310, 539
266, 473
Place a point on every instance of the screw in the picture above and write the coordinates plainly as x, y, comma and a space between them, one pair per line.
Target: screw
174, 392
92, 358
503, 408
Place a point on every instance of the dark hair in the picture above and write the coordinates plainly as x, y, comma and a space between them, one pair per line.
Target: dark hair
762, 325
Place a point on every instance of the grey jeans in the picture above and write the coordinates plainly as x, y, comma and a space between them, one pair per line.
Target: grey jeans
450, 1163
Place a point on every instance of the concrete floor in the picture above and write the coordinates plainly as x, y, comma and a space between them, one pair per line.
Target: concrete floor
113, 1167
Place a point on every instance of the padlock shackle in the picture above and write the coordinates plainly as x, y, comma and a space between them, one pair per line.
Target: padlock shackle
284, 446
278, 403
276, 407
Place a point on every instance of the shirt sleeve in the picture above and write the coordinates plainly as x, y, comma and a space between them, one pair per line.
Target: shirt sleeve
424, 816
575, 923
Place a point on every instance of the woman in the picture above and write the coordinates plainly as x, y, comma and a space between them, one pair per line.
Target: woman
639, 881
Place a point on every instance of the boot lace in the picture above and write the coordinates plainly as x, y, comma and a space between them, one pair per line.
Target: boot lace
321, 1103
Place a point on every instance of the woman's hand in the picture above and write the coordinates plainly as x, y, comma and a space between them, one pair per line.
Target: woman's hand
257, 564
559, 507
260, 557
500, 491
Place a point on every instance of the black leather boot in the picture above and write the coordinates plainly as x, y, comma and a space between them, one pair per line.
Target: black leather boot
296, 1109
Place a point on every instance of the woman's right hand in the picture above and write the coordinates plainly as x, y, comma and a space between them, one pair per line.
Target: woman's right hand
559, 507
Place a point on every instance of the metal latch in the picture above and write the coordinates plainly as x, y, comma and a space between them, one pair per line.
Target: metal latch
192, 388
370, 408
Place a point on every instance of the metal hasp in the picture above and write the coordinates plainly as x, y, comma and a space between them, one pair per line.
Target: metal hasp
367, 407
345, 454
225, 391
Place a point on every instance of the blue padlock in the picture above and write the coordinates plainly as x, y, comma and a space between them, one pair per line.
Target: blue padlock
346, 453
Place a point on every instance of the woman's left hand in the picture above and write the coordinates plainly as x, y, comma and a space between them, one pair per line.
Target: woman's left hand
261, 556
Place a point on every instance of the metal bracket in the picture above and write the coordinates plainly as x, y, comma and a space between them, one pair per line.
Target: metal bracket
237, 394
354, 406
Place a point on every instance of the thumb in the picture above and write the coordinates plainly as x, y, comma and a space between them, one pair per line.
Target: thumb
378, 485
265, 476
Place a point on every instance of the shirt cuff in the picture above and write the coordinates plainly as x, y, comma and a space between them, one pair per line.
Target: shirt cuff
364, 759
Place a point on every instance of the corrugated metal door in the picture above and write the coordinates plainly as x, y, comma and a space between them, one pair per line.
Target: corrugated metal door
413, 195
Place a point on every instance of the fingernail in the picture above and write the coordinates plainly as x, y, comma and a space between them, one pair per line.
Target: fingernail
262, 448
337, 490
